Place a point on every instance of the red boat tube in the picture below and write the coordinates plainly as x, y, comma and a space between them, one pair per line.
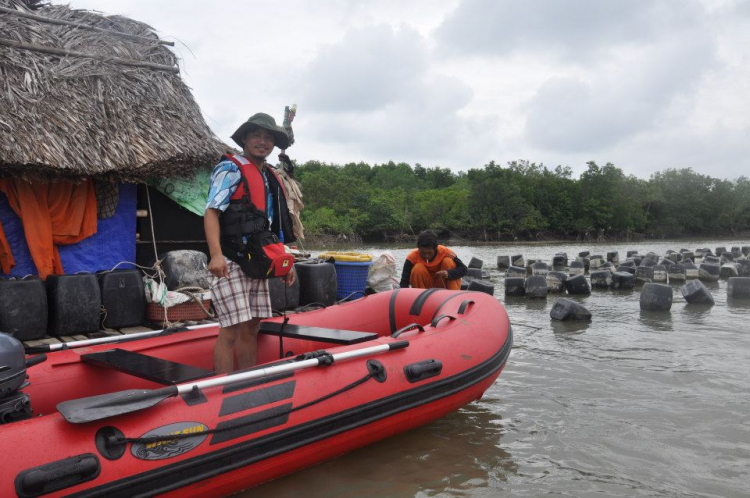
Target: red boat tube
149, 417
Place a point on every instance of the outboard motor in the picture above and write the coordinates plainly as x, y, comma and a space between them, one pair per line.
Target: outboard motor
14, 405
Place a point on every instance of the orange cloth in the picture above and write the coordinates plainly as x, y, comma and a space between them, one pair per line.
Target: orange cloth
424, 273
6, 257
58, 213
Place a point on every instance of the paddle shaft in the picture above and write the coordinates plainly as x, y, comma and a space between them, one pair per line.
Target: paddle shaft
289, 367
83, 410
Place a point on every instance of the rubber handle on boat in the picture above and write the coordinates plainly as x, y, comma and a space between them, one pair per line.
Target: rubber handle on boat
35, 360
398, 345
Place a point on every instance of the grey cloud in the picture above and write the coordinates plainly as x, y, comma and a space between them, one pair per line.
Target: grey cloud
569, 114
373, 93
369, 68
569, 29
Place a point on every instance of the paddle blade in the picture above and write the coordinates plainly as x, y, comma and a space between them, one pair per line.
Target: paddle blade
80, 411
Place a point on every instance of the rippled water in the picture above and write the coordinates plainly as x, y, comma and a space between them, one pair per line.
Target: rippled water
632, 404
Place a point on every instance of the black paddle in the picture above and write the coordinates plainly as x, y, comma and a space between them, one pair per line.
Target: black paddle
80, 411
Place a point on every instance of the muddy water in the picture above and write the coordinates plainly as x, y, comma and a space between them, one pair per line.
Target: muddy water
632, 404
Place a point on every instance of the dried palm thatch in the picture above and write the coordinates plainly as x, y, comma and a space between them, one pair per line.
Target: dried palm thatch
83, 94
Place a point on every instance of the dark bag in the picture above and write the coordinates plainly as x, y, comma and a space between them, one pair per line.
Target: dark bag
265, 256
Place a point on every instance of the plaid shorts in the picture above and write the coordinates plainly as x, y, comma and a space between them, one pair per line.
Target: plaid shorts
240, 298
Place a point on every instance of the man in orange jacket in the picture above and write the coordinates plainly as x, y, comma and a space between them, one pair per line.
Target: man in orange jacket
432, 265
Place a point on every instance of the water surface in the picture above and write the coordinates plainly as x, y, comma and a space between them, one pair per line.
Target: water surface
631, 404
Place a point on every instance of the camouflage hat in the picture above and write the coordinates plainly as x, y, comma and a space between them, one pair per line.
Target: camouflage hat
261, 120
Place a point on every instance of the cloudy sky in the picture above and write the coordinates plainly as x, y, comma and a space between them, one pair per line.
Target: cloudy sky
644, 84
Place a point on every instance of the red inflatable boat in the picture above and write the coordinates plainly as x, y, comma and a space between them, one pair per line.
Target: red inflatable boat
148, 417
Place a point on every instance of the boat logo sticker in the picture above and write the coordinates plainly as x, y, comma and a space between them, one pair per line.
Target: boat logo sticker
161, 448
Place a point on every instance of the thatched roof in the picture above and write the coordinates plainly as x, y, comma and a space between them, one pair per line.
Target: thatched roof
103, 99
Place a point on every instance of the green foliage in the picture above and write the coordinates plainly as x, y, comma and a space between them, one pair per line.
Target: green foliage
523, 199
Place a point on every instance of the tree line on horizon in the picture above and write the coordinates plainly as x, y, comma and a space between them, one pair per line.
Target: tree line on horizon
522, 200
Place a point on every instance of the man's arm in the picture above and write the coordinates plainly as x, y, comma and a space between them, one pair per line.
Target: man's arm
459, 271
406, 274
217, 264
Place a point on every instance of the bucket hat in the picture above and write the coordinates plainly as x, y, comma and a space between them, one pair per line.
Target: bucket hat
261, 120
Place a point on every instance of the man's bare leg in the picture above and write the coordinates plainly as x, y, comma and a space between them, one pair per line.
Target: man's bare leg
224, 349
247, 345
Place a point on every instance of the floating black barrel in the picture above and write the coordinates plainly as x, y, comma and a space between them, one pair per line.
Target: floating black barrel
623, 280
695, 292
186, 268
559, 261
74, 304
517, 260
644, 273
666, 263
627, 263
630, 254
738, 288
720, 250
539, 268
536, 287
475, 263
284, 297
677, 273
647, 262
743, 267
727, 257
607, 265
729, 270
515, 271
613, 257
577, 285
656, 297
660, 273
577, 268
317, 282
709, 272
473, 272
637, 260
687, 255
746, 251
503, 262
556, 281
691, 271
566, 309
514, 286
123, 298
23, 308
714, 260
628, 269
476, 285
601, 279
674, 257
595, 261
584, 254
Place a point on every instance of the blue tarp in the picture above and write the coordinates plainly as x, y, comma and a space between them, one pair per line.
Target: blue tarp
113, 242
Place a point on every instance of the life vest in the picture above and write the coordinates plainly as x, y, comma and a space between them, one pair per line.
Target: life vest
254, 179
246, 236
432, 266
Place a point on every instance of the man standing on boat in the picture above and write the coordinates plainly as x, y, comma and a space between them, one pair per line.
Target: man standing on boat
432, 265
246, 203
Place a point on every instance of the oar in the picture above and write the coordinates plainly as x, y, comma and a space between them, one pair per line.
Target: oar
115, 338
80, 411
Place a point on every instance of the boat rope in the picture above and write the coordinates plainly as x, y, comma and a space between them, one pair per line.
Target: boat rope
116, 440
